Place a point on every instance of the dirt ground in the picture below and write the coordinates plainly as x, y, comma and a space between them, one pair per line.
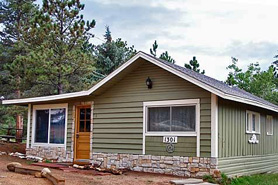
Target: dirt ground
128, 178
12, 147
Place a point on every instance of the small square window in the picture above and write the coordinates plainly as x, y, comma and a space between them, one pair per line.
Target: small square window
252, 122
269, 125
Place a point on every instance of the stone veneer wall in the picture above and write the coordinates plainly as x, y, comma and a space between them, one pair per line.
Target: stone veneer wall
58, 154
176, 165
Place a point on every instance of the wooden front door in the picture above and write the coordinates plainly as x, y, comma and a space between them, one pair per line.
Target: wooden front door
82, 132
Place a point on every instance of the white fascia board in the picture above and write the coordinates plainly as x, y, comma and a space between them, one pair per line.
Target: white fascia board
45, 98
122, 67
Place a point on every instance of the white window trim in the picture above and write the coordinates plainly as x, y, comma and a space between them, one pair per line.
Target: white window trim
48, 106
259, 115
269, 116
187, 102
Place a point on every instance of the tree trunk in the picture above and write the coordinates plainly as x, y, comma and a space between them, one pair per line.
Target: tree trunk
19, 121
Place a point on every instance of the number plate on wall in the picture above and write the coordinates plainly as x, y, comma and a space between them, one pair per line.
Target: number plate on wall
170, 139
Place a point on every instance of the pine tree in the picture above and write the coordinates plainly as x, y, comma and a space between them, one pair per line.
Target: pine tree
167, 57
15, 18
110, 55
194, 65
58, 54
164, 56
154, 48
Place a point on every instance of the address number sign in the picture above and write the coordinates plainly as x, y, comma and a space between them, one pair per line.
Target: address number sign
170, 139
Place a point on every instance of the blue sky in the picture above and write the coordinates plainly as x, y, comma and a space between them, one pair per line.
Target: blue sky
213, 31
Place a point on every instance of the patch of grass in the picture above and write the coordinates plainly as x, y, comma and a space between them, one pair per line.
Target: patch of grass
48, 161
262, 179
29, 162
225, 180
209, 178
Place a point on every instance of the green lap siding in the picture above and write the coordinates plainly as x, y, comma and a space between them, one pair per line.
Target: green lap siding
118, 113
235, 153
69, 127
186, 146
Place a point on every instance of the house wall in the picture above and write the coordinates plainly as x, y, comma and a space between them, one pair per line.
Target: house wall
118, 113
236, 155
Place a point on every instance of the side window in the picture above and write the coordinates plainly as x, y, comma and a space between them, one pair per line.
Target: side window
252, 122
269, 125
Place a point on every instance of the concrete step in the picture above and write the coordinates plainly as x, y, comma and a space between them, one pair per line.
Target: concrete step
186, 181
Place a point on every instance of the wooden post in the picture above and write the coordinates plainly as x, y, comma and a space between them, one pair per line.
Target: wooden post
19, 128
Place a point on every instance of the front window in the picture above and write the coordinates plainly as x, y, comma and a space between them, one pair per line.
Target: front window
171, 119
252, 122
50, 123
177, 117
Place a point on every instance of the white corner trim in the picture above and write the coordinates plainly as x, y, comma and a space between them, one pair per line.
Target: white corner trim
28, 126
157, 63
214, 125
198, 125
187, 102
48, 106
144, 131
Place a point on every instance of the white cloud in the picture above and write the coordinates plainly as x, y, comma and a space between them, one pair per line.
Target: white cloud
212, 30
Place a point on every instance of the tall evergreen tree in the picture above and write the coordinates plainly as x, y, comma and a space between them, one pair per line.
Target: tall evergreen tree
110, 55
167, 57
59, 60
164, 56
15, 18
194, 65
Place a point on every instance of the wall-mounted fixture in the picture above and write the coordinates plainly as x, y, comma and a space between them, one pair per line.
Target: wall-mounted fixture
149, 83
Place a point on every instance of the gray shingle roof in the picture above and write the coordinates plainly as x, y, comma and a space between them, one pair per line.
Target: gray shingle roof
221, 86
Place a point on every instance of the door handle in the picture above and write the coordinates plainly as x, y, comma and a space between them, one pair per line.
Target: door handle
77, 135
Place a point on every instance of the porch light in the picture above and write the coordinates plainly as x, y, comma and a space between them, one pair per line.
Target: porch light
149, 83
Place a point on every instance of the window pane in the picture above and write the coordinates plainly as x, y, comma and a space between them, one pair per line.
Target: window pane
247, 124
253, 122
183, 118
57, 126
42, 120
88, 114
81, 126
159, 119
82, 114
88, 126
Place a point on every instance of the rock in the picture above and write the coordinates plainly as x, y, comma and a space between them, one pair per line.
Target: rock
186, 181
38, 175
34, 158
11, 166
45, 171
75, 166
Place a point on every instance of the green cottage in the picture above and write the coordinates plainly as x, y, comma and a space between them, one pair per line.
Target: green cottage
153, 116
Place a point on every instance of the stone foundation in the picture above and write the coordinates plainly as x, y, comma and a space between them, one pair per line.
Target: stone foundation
176, 165
58, 154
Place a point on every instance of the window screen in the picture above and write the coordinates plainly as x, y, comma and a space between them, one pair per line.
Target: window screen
171, 119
